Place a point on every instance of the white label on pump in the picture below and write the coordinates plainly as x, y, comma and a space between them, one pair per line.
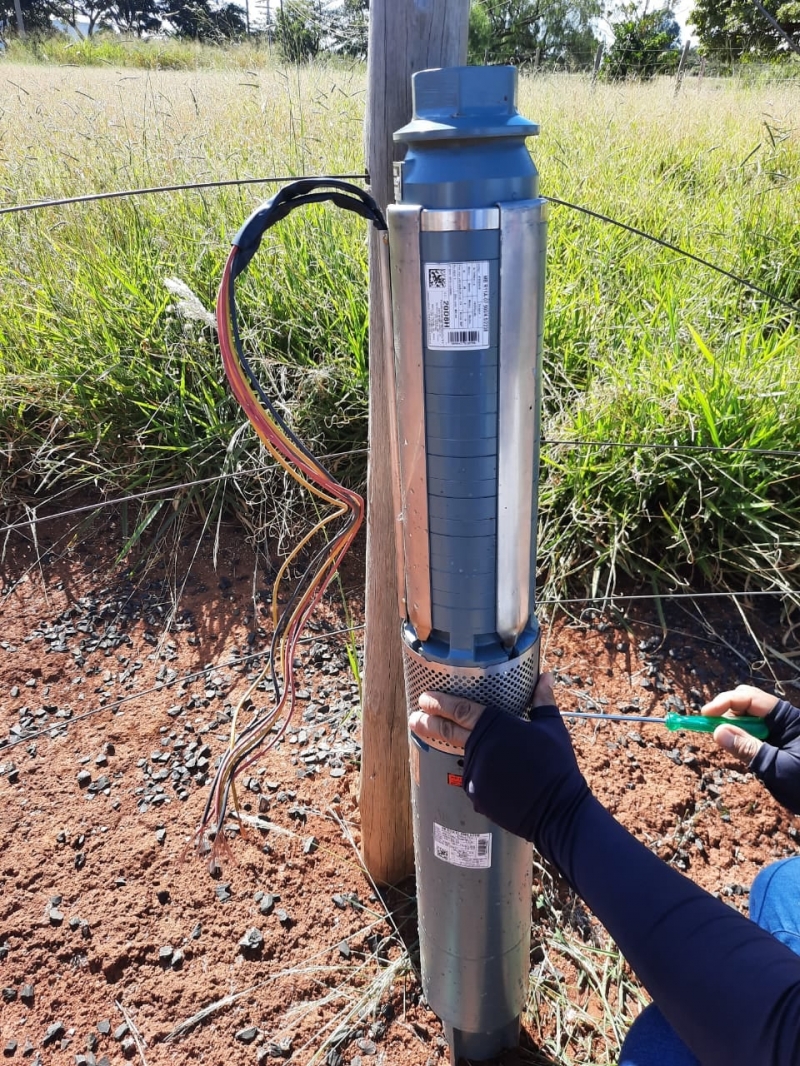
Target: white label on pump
471, 850
457, 305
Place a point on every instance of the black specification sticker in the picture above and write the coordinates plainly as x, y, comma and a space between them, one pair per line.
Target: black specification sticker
457, 305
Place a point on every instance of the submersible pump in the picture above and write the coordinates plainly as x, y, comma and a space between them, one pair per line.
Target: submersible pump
467, 238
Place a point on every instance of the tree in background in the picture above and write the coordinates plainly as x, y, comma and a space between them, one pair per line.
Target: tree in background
646, 43
538, 32
731, 29
201, 21
299, 29
137, 17
349, 28
36, 16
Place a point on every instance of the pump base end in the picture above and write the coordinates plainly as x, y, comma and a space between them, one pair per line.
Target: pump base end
477, 1046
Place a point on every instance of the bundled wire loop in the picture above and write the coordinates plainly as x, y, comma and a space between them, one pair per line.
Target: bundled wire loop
261, 733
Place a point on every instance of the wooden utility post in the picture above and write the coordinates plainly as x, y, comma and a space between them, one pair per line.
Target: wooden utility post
681, 66
404, 36
20, 20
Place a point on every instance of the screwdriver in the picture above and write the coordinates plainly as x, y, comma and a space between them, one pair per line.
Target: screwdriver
694, 723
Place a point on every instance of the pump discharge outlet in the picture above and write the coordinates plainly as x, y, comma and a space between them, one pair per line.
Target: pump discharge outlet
467, 242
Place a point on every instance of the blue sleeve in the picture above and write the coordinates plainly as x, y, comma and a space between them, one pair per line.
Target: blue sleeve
777, 762
729, 989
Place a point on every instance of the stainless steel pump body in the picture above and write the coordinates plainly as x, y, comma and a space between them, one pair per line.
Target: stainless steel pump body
467, 246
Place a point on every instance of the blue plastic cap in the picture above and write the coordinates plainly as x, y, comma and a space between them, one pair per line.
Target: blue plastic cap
465, 102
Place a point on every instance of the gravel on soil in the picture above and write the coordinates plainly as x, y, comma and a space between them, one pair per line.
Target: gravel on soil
111, 724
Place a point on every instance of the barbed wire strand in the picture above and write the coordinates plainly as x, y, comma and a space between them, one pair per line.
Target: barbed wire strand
117, 501
240, 660
118, 194
364, 176
728, 449
677, 249
147, 494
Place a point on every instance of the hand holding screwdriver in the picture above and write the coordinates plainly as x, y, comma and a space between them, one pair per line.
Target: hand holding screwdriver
775, 761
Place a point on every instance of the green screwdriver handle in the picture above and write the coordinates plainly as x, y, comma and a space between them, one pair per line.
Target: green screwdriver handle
700, 723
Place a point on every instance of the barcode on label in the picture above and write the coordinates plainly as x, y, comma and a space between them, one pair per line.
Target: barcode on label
483, 847
463, 336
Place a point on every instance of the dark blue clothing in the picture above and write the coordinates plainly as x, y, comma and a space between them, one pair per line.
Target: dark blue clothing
775, 906
729, 989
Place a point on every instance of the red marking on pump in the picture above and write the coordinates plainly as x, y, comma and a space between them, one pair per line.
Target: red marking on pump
455, 779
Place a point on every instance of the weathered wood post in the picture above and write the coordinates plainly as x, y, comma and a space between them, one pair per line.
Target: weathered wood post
404, 36
681, 65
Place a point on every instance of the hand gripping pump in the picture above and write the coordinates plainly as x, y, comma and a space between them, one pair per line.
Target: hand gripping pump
467, 240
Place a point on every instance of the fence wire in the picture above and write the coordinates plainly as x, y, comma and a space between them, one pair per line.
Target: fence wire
364, 176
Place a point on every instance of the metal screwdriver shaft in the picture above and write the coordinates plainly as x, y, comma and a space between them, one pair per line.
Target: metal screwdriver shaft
692, 723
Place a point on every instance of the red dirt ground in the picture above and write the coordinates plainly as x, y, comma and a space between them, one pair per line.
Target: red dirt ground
112, 931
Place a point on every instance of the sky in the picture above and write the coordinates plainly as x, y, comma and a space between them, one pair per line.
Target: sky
682, 9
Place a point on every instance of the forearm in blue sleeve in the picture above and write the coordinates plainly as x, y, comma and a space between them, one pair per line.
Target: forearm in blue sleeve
729, 989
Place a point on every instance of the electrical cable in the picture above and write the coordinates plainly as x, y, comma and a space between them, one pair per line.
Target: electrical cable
292, 455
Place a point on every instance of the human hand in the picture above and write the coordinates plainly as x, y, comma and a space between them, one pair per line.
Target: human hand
776, 762
516, 772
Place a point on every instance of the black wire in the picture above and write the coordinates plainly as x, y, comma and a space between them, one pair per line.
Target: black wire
675, 248
91, 197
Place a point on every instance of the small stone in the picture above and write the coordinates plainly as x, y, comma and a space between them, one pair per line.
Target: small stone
80, 860
26, 995
248, 1035
92, 1042
161, 836
128, 1047
53, 1033
223, 893
310, 845
84, 778
344, 949
9, 995
56, 916
163, 896
10, 1048
368, 1047
279, 1049
165, 954
340, 901
253, 940
197, 932
177, 960
104, 1028
267, 903
121, 1031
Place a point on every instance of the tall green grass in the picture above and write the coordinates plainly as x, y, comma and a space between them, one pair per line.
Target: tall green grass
108, 382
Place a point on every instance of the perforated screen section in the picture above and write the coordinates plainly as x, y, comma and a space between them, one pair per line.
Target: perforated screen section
508, 686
